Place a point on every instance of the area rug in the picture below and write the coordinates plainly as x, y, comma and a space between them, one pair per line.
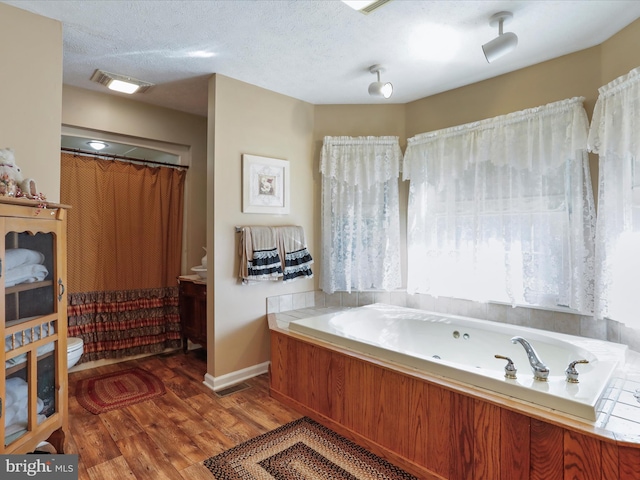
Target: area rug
119, 389
305, 450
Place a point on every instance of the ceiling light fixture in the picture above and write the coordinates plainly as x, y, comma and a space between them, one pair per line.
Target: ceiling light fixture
504, 42
379, 89
365, 6
97, 144
120, 83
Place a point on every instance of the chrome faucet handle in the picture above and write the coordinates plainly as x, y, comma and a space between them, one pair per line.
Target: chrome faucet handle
572, 373
509, 369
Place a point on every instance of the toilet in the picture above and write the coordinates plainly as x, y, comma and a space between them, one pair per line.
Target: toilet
75, 348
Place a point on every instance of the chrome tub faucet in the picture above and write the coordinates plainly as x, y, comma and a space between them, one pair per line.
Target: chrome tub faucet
540, 370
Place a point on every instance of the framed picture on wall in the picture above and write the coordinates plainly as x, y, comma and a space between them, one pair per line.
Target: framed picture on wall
265, 185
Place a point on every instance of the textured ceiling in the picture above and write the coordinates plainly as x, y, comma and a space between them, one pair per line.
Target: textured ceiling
316, 51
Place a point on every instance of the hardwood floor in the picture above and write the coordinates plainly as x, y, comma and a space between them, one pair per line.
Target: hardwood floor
168, 437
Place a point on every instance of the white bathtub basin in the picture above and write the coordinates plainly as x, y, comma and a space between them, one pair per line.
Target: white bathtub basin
464, 349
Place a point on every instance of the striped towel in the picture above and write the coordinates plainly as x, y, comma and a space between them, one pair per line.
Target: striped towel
260, 259
293, 247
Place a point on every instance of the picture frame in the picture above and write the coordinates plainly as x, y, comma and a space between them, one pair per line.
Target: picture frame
265, 185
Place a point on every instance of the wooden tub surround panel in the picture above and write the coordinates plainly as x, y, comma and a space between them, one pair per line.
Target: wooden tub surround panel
434, 431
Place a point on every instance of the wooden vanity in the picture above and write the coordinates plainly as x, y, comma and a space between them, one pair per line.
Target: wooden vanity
193, 310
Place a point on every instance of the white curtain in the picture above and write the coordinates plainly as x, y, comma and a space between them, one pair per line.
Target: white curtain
502, 209
615, 136
360, 213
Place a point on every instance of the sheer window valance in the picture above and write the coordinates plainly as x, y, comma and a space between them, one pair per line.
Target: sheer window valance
360, 213
615, 136
502, 209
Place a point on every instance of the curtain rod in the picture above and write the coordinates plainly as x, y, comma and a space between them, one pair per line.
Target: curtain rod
120, 157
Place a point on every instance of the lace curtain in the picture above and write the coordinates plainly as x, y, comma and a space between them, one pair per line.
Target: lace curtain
615, 136
502, 209
360, 213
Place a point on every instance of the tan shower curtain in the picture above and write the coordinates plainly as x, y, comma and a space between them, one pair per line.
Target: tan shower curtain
124, 251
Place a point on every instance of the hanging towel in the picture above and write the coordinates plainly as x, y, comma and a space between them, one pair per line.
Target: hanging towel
293, 248
259, 256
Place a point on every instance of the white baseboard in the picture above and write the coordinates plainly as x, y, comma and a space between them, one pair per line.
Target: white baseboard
228, 379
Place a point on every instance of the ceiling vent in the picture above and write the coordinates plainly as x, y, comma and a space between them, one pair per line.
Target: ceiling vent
111, 79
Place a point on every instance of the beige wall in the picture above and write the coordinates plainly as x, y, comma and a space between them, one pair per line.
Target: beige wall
249, 119
30, 90
573, 75
110, 114
620, 53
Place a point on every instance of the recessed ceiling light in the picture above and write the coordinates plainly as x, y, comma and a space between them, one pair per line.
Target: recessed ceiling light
120, 83
97, 144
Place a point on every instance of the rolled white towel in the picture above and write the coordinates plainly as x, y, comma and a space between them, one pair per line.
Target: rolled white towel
14, 257
17, 389
18, 412
10, 415
25, 274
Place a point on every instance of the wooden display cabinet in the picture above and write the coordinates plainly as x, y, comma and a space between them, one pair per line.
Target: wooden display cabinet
193, 310
33, 390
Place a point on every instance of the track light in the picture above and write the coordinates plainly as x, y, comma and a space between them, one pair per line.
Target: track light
504, 42
379, 89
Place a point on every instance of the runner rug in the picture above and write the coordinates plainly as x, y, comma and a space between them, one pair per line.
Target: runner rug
302, 449
118, 389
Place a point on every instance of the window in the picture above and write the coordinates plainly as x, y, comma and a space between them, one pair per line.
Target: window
502, 209
360, 213
614, 136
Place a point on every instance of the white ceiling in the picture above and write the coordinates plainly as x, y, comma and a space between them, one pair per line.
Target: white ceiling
317, 51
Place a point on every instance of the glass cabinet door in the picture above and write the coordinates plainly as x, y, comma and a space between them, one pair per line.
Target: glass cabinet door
28, 272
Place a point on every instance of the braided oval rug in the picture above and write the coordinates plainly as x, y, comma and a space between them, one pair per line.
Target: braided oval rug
118, 389
302, 449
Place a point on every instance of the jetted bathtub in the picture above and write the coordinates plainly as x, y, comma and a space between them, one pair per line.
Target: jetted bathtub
464, 349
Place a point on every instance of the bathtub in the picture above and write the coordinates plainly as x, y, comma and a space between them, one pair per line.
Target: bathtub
463, 349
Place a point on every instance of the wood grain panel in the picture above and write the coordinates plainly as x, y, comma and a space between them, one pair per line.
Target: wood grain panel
367, 401
417, 427
629, 463
486, 454
300, 388
610, 461
359, 397
582, 457
320, 391
278, 371
336, 387
393, 411
439, 431
462, 437
547, 462
515, 448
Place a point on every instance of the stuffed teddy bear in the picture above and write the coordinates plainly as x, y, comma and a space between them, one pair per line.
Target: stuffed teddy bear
12, 183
